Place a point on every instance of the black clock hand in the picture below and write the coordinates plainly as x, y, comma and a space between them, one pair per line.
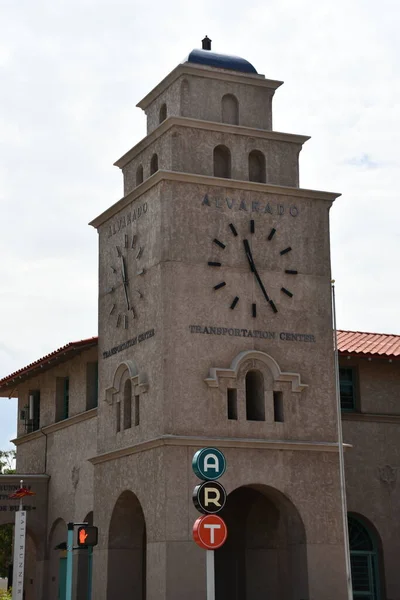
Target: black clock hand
125, 281
257, 276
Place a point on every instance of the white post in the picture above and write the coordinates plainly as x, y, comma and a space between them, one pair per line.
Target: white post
210, 575
19, 552
341, 456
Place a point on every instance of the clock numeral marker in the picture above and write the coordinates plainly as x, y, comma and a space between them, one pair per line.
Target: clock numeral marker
235, 301
285, 251
125, 321
219, 285
271, 234
232, 228
119, 319
220, 244
290, 272
139, 293
133, 241
126, 241
139, 252
111, 290
118, 249
285, 291
112, 309
252, 229
141, 272
214, 264
254, 310
133, 313
113, 269
273, 306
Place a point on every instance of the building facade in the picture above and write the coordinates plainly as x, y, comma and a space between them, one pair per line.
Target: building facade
214, 330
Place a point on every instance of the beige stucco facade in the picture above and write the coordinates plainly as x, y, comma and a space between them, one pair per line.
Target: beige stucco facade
203, 344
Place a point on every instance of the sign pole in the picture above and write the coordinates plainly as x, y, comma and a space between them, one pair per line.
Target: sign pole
19, 551
70, 543
210, 575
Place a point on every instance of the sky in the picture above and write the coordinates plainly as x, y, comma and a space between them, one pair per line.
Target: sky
71, 73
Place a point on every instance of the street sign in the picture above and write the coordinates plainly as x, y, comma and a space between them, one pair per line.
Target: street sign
209, 497
209, 464
210, 532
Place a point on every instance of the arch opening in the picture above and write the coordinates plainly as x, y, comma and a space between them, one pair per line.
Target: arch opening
128, 404
162, 115
365, 559
57, 572
154, 164
257, 166
255, 402
126, 571
230, 109
265, 553
139, 175
222, 162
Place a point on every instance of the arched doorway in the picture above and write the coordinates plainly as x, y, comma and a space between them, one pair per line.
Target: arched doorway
126, 576
57, 550
364, 559
265, 553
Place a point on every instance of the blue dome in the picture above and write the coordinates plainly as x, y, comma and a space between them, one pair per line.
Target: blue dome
220, 61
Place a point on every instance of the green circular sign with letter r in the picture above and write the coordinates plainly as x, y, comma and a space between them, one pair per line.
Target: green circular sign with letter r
209, 464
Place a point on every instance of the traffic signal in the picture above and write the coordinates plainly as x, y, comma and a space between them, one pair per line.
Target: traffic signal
87, 536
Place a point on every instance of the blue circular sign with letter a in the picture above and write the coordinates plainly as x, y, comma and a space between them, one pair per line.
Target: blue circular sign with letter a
209, 464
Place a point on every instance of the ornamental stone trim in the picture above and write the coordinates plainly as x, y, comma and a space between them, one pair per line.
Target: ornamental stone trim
139, 380
278, 375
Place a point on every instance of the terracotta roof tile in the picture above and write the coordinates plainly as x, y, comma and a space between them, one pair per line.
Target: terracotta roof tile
371, 344
46, 362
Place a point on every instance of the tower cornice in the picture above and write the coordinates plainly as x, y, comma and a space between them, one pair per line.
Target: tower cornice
195, 179
207, 72
208, 126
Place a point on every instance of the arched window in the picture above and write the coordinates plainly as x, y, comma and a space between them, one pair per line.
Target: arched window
255, 405
127, 404
153, 164
364, 561
185, 98
139, 175
162, 113
222, 162
257, 166
230, 109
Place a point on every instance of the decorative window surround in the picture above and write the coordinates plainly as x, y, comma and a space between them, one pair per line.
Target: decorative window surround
138, 380
278, 375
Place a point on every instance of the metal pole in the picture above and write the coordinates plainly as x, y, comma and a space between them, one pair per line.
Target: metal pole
19, 551
210, 575
341, 455
70, 543
90, 571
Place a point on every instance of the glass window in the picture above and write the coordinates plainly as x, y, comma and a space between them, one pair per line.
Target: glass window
347, 382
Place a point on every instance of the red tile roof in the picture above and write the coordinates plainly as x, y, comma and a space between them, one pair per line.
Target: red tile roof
349, 342
368, 344
47, 362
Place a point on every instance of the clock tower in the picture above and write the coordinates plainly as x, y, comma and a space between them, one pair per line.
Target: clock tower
215, 330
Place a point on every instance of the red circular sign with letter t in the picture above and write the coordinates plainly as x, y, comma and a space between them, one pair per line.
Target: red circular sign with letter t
210, 532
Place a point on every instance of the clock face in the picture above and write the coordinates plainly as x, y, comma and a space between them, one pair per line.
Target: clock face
255, 252
125, 271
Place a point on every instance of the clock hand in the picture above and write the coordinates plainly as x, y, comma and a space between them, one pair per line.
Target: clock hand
125, 281
256, 274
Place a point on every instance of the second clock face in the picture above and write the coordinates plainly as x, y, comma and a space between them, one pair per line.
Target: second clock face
254, 254
125, 270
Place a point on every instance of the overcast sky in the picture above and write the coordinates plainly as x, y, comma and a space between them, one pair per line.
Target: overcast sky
72, 72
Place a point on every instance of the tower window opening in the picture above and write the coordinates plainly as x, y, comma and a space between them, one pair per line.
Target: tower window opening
232, 404
118, 416
278, 407
162, 113
137, 410
257, 166
255, 406
139, 175
127, 404
230, 109
222, 162
153, 164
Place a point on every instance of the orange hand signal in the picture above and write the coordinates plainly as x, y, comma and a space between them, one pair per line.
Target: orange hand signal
82, 536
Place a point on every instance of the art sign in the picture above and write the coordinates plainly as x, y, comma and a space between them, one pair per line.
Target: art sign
209, 497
